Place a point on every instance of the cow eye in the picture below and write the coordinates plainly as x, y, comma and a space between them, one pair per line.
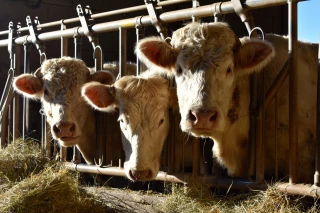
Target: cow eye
160, 122
46, 93
228, 70
179, 70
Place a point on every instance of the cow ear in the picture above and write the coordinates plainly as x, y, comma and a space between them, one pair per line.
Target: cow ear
173, 99
253, 55
101, 97
154, 51
103, 76
28, 85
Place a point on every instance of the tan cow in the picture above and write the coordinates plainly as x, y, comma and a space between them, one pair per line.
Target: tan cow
212, 67
57, 83
143, 104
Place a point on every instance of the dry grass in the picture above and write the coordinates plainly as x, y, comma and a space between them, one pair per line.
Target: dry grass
199, 198
30, 182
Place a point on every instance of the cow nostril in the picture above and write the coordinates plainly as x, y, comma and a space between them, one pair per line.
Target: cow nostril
192, 115
56, 129
72, 128
213, 117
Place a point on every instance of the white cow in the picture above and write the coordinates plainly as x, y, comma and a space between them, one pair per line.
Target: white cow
143, 104
212, 67
57, 83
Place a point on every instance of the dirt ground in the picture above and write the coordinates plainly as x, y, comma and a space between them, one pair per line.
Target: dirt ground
128, 201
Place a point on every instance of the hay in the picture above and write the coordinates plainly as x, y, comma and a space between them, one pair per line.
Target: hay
31, 182
21, 158
52, 190
199, 198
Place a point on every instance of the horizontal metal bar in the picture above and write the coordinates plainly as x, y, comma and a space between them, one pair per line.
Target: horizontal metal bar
179, 15
300, 189
100, 15
116, 171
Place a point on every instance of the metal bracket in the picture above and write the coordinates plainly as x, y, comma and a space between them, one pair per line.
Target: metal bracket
243, 14
195, 4
87, 22
162, 30
34, 30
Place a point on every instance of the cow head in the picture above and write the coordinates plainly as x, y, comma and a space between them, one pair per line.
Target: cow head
208, 62
143, 104
57, 83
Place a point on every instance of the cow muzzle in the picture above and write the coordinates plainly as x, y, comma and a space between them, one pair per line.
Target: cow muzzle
140, 175
63, 130
202, 119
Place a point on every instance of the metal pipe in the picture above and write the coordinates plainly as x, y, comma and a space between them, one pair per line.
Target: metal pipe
25, 111
122, 51
17, 100
116, 171
64, 52
179, 15
100, 15
317, 159
300, 189
293, 91
276, 85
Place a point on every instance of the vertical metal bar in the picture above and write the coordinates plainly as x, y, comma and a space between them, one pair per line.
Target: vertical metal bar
317, 159
25, 116
76, 158
16, 100
64, 52
139, 35
122, 51
276, 169
293, 90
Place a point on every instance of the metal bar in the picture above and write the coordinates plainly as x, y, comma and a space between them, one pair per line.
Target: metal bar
276, 85
293, 91
101, 15
139, 35
179, 15
25, 110
17, 100
122, 51
300, 189
317, 159
116, 171
64, 52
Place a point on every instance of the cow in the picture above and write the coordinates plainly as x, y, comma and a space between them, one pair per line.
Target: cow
212, 68
57, 84
143, 103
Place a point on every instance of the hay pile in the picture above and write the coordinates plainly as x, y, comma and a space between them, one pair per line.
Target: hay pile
199, 198
32, 183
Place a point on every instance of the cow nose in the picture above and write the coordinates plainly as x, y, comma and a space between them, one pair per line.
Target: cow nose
140, 174
64, 129
202, 118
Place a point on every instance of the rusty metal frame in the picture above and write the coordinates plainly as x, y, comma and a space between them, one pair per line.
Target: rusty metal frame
215, 9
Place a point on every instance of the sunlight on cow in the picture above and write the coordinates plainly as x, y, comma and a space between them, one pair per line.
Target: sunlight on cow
143, 103
57, 84
212, 67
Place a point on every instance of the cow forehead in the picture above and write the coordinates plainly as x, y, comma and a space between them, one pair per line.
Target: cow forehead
64, 73
205, 44
143, 96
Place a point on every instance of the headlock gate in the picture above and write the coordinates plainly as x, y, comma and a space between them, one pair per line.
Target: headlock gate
109, 159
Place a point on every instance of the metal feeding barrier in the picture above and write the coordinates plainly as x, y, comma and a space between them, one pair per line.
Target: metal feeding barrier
109, 153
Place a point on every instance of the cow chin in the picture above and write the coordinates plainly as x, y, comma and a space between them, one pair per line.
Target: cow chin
70, 141
152, 172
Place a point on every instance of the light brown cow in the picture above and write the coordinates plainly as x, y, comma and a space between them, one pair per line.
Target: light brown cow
212, 67
143, 104
58, 85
